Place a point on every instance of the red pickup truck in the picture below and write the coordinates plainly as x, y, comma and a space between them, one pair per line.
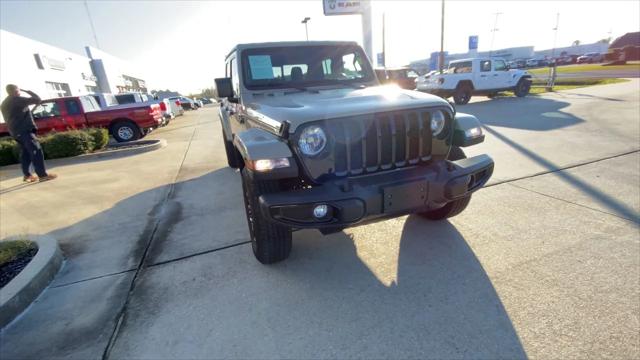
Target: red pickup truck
124, 124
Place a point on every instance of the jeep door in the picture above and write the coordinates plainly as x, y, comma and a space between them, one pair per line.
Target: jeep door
229, 110
501, 76
484, 79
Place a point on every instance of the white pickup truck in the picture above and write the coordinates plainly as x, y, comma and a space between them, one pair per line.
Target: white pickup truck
468, 77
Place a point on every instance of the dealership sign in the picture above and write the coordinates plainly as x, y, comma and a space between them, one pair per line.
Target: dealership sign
342, 7
473, 42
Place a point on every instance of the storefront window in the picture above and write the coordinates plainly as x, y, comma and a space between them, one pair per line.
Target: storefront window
58, 89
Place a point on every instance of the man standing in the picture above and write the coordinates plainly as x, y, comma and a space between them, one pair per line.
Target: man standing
16, 112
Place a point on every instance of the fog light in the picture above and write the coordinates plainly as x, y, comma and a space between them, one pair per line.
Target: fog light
320, 211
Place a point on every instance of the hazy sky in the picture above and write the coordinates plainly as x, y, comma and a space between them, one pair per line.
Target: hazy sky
181, 44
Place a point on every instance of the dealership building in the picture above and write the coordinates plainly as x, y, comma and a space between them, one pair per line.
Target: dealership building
522, 52
51, 72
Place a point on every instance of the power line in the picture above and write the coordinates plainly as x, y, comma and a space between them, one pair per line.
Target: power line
93, 29
493, 31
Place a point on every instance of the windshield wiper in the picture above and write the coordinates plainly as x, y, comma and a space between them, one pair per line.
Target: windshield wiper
351, 85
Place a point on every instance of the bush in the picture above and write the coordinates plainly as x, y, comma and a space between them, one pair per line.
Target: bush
68, 143
99, 136
8, 152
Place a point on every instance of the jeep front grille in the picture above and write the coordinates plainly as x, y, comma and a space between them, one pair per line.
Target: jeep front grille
380, 142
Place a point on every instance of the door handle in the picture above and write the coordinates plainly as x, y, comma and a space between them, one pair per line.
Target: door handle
483, 75
495, 74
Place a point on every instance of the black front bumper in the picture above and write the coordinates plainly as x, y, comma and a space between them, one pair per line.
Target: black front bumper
369, 197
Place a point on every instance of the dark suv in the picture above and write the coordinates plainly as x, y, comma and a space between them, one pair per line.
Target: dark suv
321, 144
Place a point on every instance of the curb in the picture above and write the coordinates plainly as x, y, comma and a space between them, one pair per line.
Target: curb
152, 145
20, 292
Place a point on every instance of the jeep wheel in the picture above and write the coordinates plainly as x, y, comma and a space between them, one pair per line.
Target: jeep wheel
270, 242
462, 95
455, 207
232, 155
522, 88
124, 131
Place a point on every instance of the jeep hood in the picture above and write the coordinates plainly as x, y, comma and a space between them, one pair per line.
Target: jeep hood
301, 107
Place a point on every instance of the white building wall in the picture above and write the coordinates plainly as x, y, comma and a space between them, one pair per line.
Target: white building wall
18, 65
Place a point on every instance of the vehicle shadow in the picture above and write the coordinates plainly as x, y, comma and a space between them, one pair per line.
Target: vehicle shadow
605, 200
418, 291
529, 113
422, 294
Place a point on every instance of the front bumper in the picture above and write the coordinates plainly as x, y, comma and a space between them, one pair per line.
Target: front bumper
361, 199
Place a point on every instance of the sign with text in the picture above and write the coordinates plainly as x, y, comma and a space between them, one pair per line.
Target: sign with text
473, 42
342, 7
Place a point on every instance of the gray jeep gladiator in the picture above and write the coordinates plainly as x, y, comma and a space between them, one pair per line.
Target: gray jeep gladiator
321, 144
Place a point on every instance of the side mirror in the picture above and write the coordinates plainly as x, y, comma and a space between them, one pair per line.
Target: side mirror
224, 87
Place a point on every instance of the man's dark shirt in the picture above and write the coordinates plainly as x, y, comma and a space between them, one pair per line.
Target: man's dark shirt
15, 111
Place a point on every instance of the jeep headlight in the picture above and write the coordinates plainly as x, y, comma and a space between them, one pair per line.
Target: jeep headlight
312, 140
437, 122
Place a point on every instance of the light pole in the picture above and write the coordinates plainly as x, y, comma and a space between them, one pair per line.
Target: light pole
495, 28
306, 30
441, 57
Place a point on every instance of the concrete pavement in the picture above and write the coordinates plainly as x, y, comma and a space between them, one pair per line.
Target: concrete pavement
546, 266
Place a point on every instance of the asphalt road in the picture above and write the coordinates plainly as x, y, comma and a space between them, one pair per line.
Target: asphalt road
544, 263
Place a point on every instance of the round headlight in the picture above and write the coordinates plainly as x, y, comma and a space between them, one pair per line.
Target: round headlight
312, 140
437, 122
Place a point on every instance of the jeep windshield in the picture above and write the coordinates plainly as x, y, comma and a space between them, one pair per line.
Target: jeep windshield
303, 66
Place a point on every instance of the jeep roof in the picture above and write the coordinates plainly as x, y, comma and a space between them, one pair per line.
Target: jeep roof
240, 47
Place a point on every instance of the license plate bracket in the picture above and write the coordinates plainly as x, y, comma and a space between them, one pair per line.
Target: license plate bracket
398, 198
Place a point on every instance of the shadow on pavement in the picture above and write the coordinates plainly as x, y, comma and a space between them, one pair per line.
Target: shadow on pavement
609, 202
529, 113
332, 298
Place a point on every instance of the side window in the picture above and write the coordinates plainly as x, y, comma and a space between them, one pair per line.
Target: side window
125, 99
498, 65
72, 107
460, 67
46, 110
89, 104
485, 65
234, 77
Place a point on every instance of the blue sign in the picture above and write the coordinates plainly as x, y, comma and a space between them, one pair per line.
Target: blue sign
380, 59
473, 42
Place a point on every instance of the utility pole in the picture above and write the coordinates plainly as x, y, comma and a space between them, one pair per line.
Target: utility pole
306, 30
493, 31
555, 36
384, 50
93, 30
441, 57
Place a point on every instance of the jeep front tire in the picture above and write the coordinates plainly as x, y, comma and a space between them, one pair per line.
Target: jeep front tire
270, 242
454, 207
233, 160
522, 88
462, 94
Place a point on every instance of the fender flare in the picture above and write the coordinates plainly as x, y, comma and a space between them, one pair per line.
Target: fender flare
461, 82
224, 122
467, 130
254, 144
